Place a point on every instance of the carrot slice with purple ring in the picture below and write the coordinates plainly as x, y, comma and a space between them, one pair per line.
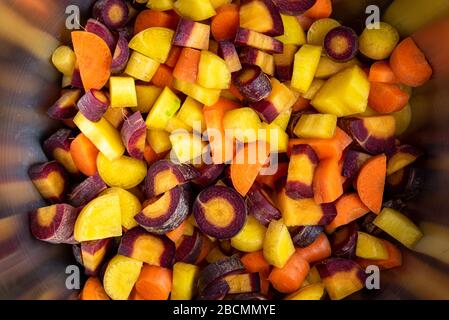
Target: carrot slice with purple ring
301, 169
341, 277
65, 106
87, 190
57, 146
217, 290
93, 104
220, 212
134, 132
102, 31
341, 44
156, 250
243, 282
189, 248
93, 254
167, 212
208, 174
164, 175
121, 55
260, 205
54, 223
50, 179
252, 83
217, 270
304, 236
113, 13
344, 241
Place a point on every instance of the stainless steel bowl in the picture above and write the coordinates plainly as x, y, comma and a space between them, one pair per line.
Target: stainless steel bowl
29, 32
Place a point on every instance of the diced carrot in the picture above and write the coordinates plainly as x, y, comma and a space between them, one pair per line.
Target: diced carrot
173, 56
264, 283
225, 23
178, 232
381, 71
409, 64
186, 68
289, 278
327, 184
206, 247
320, 249
255, 262
247, 164
270, 180
163, 77
150, 155
94, 59
370, 182
154, 283
394, 258
221, 147
301, 104
84, 155
320, 10
326, 148
93, 290
153, 18
387, 98
349, 208
235, 92
135, 296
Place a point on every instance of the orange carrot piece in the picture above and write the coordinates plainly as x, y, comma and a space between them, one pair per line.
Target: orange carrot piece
394, 258
135, 296
221, 146
173, 56
349, 208
154, 283
301, 104
163, 77
84, 155
327, 184
370, 182
178, 232
289, 278
409, 64
247, 164
326, 148
225, 23
381, 71
152, 18
264, 283
150, 155
93, 290
320, 10
187, 65
319, 249
94, 59
270, 180
387, 98
255, 262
